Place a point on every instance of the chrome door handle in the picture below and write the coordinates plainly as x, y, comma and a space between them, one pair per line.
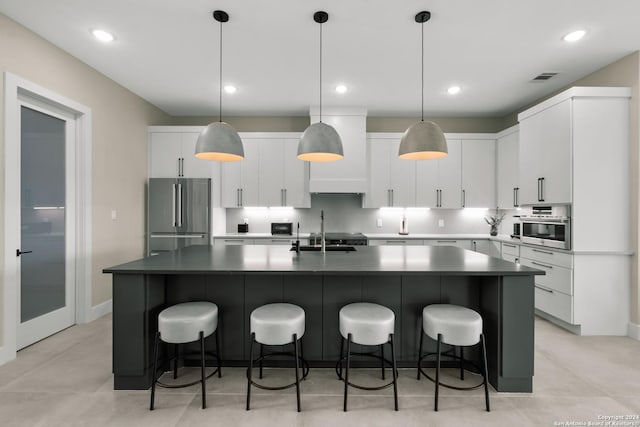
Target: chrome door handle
179, 205
19, 252
542, 288
542, 252
464, 198
241, 197
173, 205
542, 265
542, 189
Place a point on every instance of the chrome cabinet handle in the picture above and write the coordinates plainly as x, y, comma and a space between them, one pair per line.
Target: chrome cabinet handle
542, 252
242, 197
542, 265
179, 207
285, 197
542, 189
542, 288
446, 241
392, 201
509, 246
464, 198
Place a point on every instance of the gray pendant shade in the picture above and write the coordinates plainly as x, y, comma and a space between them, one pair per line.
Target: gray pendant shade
423, 141
320, 143
220, 142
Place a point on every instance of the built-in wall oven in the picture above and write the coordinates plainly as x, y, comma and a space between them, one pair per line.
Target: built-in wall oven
547, 226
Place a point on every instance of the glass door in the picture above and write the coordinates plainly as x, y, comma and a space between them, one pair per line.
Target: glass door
45, 257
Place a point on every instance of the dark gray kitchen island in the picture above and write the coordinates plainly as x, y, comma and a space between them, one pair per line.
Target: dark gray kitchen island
405, 279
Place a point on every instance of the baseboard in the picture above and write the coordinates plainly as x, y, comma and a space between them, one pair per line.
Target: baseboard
634, 331
575, 329
97, 311
6, 356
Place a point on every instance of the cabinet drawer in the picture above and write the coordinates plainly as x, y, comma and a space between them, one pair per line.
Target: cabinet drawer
235, 241
511, 249
554, 303
510, 258
556, 278
275, 241
465, 244
547, 256
397, 242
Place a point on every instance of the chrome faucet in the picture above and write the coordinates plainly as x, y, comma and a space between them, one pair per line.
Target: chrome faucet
323, 248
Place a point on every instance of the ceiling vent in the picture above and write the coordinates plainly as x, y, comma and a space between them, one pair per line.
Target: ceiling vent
542, 77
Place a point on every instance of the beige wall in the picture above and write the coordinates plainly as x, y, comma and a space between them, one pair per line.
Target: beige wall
119, 146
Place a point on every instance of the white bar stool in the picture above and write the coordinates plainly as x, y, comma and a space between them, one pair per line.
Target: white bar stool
367, 324
184, 323
277, 324
457, 326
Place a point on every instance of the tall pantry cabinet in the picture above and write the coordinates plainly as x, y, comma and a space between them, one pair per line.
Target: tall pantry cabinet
574, 150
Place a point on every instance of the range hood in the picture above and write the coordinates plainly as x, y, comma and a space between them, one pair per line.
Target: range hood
348, 175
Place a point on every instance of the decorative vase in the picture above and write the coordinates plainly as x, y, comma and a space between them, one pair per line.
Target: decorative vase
494, 230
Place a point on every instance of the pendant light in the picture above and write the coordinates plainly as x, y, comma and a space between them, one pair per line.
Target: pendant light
320, 142
423, 140
219, 141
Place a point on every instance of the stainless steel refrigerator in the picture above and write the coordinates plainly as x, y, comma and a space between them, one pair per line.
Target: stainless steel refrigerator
178, 213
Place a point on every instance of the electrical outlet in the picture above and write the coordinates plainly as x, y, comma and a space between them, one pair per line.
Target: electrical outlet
379, 223
441, 223
114, 214
246, 220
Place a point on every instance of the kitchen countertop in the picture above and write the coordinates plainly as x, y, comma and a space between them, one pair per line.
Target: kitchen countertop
438, 260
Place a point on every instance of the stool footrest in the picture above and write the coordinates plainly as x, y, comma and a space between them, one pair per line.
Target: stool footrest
199, 380
361, 387
305, 370
464, 361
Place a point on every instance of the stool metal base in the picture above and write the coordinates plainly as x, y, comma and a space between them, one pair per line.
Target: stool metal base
436, 380
347, 357
202, 379
296, 355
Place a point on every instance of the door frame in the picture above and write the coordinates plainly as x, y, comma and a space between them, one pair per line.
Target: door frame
15, 89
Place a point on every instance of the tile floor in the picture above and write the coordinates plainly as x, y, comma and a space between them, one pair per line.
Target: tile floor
66, 381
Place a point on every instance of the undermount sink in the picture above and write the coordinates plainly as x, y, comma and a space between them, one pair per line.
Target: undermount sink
340, 248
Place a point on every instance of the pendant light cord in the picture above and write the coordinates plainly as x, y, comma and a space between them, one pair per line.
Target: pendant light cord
422, 93
220, 112
320, 86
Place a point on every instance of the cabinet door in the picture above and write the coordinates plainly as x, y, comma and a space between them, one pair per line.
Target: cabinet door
450, 176
556, 165
478, 173
271, 173
402, 177
464, 244
230, 183
507, 171
250, 174
530, 160
378, 194
164, 148
427, 183
296, 176
193, 167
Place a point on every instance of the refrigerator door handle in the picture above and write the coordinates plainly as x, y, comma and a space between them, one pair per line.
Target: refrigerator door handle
179, 205
173, 205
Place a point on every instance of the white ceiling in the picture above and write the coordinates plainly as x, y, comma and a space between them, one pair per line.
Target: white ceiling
166, 51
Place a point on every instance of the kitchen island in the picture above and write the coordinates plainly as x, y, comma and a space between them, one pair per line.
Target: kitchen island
241, 278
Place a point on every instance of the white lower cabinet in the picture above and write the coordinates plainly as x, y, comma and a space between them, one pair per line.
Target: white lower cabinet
554, 290
461, 243
487, 247
396, 242
233, 241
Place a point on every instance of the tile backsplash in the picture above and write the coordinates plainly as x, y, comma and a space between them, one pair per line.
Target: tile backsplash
344, 212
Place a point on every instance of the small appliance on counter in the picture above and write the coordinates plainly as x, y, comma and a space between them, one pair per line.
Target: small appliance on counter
279, 228
404, 226
243, 228
516, 231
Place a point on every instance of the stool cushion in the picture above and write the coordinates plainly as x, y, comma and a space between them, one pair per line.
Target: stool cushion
368, 324
275, 324
182, 323
458, 325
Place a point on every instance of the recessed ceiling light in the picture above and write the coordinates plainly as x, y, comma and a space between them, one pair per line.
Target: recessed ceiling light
103, 36
574, 36
230, 89
454, 90
341, 88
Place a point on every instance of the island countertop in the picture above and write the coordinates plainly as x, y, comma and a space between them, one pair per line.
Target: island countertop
436, 260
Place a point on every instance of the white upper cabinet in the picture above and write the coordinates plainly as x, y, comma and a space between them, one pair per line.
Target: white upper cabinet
478, 173
392, 181
439, 182
172, 155
240, 180
270, 175
284, 179
545, 155
507, 147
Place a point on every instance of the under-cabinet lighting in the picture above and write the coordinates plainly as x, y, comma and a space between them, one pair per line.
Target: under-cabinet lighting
43, 208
